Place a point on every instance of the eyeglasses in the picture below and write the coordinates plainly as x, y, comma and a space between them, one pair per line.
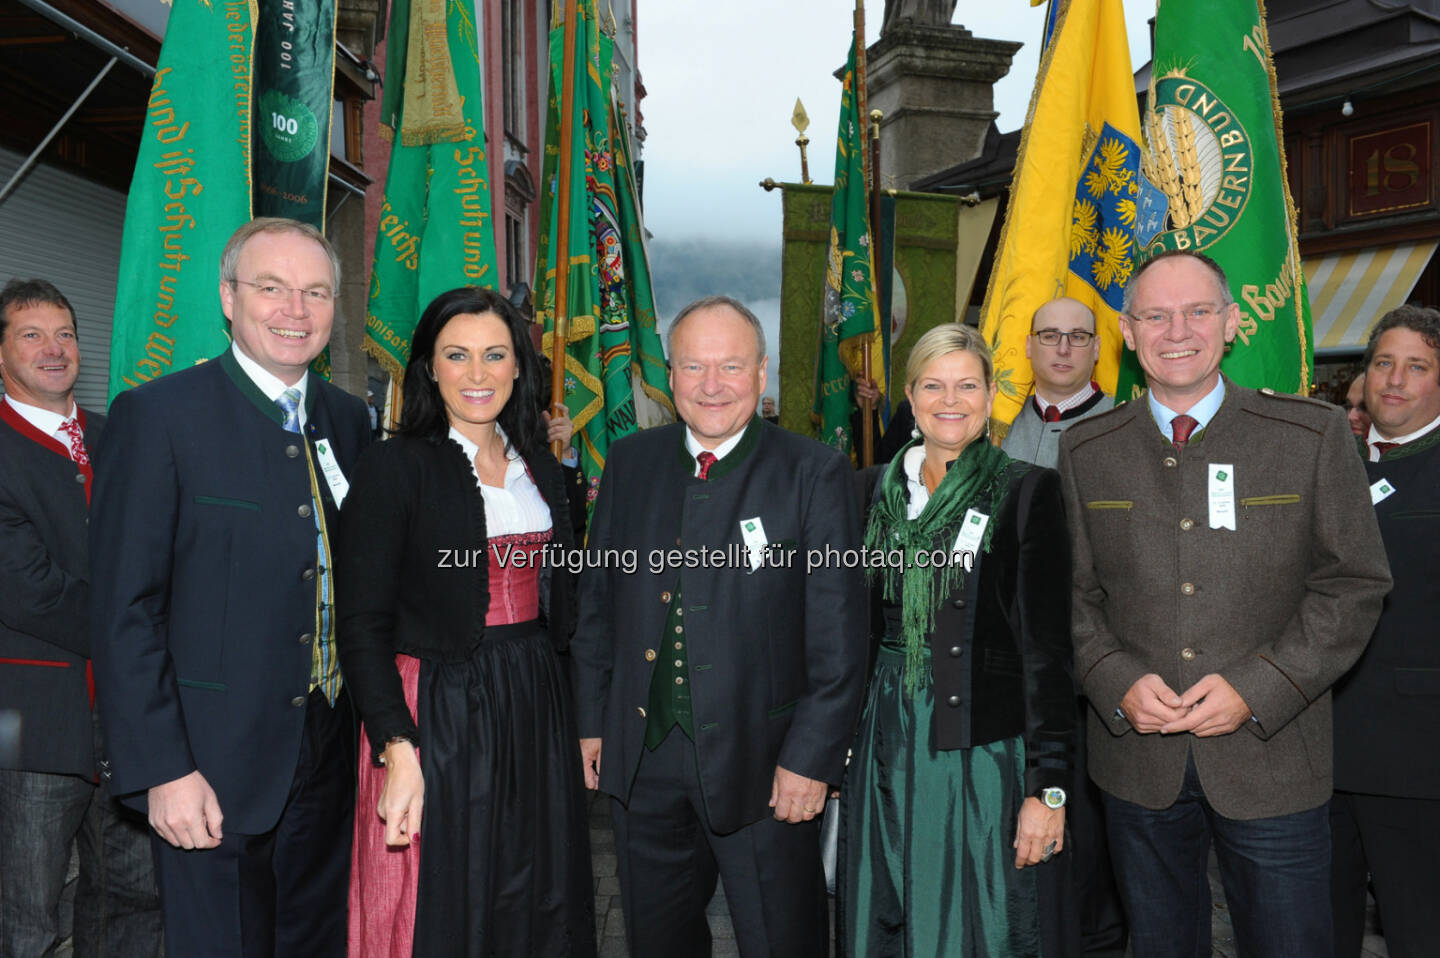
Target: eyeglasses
275, 293
1077, 338
1199, 313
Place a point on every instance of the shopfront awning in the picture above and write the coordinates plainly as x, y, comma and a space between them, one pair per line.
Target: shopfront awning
1349, 291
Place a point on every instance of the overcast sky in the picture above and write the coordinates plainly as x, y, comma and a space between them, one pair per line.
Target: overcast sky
722, 79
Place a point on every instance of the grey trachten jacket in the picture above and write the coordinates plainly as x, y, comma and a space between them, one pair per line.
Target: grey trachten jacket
1280, 607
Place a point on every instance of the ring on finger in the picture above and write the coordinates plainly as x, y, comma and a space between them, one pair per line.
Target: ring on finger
1049, 852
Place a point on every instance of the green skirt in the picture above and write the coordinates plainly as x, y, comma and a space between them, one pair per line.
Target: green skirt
926, 866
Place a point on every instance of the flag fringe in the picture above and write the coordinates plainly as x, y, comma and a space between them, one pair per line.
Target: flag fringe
1292, 219
386, 361
429, 136
657, 395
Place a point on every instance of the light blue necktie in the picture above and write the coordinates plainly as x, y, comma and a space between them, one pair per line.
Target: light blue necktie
289, 403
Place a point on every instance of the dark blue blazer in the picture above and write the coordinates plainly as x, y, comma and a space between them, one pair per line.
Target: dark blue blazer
203, 583
44, 601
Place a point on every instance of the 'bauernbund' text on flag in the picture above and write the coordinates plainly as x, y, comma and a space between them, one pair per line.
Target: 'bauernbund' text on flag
1213, 180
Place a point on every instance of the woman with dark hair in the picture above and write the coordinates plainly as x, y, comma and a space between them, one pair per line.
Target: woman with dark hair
449, 627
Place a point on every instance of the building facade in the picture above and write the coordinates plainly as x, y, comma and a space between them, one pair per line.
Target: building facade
1359, 88
75, 76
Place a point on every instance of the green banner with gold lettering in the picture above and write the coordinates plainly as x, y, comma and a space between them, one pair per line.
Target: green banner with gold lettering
294, 96
190, 191
435, 232
1213, 180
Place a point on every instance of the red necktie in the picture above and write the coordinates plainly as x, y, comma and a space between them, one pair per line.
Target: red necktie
1052, 414
706, 460
71, 428
1384, 447
1180, 429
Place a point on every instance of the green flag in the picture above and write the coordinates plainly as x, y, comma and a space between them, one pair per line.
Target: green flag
294, 77
190, 191
612, 339
1213, 180
294, 96
435, 231
851, 315
647, 357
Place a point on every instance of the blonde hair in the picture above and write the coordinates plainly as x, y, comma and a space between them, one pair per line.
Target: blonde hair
943, 340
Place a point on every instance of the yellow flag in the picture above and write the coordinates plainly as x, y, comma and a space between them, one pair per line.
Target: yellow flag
1070, 226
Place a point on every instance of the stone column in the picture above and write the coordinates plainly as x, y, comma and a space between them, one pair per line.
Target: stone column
358, 25
935, 86
345, 227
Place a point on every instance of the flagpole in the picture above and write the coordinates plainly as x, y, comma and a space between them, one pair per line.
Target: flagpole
801, 122
878, 278
562, 230
394, 403
867, 410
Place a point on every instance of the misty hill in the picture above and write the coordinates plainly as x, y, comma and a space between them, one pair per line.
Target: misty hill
683, 270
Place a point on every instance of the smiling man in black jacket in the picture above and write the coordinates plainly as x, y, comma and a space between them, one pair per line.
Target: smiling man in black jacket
217, 677
49, 796
721, 693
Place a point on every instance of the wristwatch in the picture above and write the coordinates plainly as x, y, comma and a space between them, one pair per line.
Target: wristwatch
1053, 797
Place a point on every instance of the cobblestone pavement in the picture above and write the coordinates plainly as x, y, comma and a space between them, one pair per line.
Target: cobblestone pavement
610, 920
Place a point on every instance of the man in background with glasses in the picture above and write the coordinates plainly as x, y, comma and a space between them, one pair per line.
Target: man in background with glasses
1062, 348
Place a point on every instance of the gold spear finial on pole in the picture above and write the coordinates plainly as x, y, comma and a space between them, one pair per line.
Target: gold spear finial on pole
801, 121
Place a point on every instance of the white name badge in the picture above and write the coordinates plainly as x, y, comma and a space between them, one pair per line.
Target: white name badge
752, 531
972, 531
1381, 490
1222, 496
334, 478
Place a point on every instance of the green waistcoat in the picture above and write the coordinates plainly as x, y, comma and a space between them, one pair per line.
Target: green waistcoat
670, 681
